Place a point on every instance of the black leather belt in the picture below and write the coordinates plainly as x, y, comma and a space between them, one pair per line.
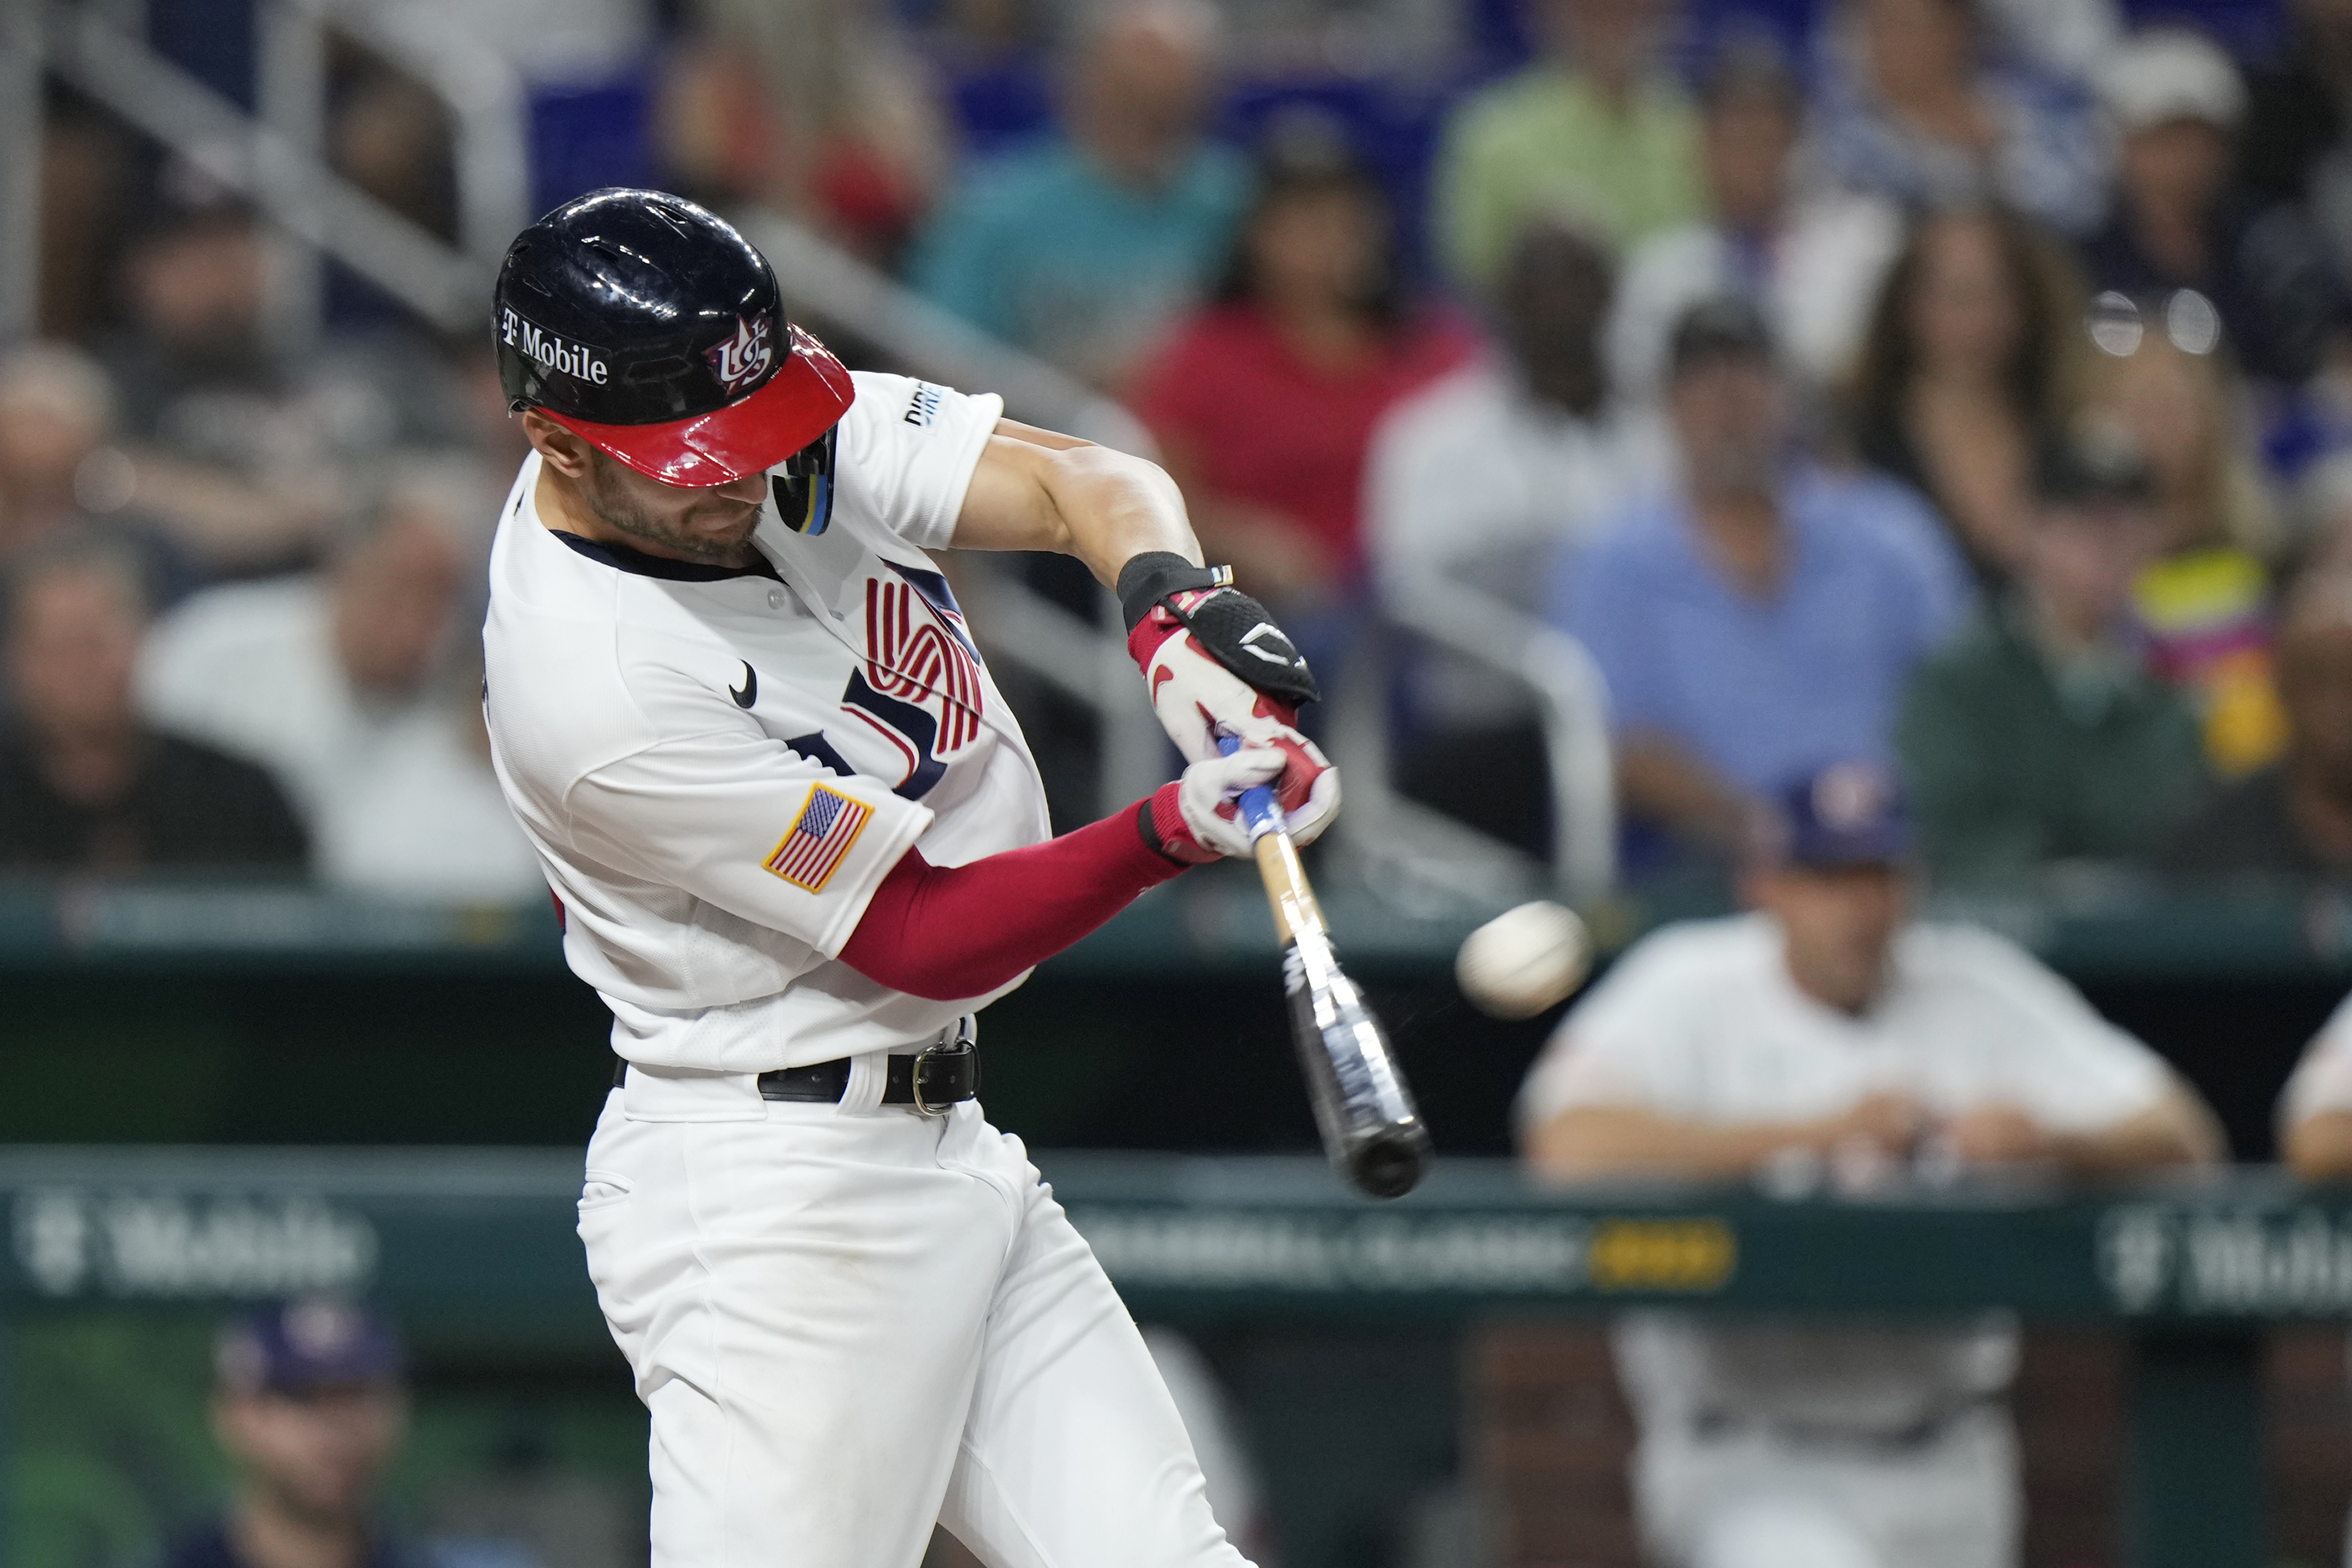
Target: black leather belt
931, 1080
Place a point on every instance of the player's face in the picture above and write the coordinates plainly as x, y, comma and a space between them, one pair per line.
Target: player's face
713, 525
1838, 926
317, 1455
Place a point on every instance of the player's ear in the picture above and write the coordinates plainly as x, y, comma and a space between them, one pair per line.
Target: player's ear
564, 452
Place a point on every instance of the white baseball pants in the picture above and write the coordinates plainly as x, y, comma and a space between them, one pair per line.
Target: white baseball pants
851, 1320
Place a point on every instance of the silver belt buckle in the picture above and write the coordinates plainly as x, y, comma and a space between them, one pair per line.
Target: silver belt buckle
959, 1044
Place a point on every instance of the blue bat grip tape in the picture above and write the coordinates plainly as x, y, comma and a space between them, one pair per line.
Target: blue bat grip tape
1260, 811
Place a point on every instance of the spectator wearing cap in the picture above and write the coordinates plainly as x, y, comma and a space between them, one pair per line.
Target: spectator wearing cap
1810, 258
2175, 101
1596, 132
2292, 819
1083, 248
86, 784
2040, 734
1823, 1036
360, 689
309, 1405
1264, 402
1764, 617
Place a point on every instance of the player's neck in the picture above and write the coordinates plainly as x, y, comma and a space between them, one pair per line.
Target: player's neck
268, 1536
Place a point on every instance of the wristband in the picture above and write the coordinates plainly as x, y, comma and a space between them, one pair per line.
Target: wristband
1148, 577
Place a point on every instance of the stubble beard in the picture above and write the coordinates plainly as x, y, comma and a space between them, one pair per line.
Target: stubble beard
615, 508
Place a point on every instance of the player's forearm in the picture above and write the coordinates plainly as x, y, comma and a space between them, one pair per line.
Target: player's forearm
2176, 1131
1114, 507
1604, 1141
2319, 1146
948, 932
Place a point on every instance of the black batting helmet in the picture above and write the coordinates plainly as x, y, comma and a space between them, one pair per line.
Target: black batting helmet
651, 328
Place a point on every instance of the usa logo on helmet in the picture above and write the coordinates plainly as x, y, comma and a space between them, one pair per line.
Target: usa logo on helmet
743, 358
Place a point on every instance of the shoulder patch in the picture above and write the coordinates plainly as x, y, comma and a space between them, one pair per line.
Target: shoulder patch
828, 824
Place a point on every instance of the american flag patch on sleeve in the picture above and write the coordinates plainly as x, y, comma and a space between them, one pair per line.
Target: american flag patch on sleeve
828, 824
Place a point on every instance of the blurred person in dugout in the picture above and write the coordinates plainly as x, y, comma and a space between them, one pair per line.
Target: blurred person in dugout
1967, 365
1917, 102
88, 785
310, 1404
2163, 376
1597, 130
1265, 401
1083, 247
360, 688
2039, 736
1824, 1036
1758, 619
2291, 820
1480, 481
2175, 101
1811, 257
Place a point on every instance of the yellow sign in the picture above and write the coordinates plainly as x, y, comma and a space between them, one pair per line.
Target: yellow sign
1692, 1255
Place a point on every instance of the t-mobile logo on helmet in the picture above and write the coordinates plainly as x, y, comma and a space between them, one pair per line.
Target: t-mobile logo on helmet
537, 343
743, 358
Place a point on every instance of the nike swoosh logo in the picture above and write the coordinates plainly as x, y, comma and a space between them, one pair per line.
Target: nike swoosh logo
750, 693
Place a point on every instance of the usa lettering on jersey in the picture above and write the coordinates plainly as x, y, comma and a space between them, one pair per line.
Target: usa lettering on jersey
919, 685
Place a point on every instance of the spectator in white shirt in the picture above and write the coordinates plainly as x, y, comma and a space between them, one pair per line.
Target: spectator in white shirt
1487, 477
359, 688
1811, 261
1823, 1031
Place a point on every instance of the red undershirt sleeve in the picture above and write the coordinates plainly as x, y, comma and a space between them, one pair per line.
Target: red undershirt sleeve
948, 932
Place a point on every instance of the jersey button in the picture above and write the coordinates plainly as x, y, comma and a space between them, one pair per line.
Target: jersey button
775, 599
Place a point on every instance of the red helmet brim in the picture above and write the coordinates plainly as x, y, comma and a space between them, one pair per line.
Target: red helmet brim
806, 397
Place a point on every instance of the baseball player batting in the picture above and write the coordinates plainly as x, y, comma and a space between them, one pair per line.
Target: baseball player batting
798, 842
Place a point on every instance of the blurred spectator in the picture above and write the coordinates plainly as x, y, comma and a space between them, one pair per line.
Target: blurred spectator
1811, 261
816, 107
1824, 1036
2175, 100
1263, 403
229, 452
1966, 370
2293, 818
1914, 106
1488, 474
309, 1404
2040, 734
2293, 148
990, 53
2204, 603
1763, 621
1485, 478
360, 689
1083, 248
60, 472
85, 785
1596, 132
2067, 37
2315, 1111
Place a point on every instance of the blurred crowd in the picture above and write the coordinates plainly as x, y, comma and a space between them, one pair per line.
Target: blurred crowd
1964, 385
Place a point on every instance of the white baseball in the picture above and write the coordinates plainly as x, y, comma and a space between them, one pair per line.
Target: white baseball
1524, 960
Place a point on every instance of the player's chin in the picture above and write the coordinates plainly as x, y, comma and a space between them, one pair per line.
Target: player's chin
720, 523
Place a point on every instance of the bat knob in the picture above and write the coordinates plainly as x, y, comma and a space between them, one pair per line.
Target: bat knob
1390, 1165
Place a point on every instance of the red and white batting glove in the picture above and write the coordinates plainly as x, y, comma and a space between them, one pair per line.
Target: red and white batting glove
1190, 641
1197, 818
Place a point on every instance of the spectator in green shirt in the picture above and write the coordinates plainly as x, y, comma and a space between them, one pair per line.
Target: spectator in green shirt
1596, 132
2040, 735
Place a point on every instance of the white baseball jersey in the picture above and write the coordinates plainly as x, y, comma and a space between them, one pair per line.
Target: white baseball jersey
717, 768
1702, 1021
2323, 1079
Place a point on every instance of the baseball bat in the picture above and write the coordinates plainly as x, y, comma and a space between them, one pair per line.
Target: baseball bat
1372, 1130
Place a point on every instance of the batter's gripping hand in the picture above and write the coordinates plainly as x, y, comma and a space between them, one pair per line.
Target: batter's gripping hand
1198, 817
1216, 665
